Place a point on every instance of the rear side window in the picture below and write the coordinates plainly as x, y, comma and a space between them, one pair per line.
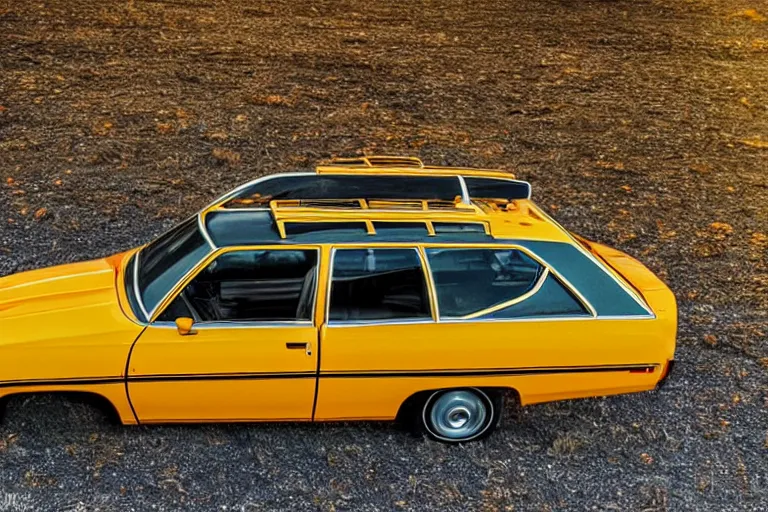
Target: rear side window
472, 281
497, 283
378, 284
552, 299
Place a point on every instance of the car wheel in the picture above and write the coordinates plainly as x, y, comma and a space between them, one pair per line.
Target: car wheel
460, 415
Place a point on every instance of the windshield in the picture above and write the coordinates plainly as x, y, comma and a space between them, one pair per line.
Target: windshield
166, 260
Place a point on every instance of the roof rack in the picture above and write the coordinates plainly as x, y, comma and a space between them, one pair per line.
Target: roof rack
379, 161
403, 165
378, 178
369, 212
374, 205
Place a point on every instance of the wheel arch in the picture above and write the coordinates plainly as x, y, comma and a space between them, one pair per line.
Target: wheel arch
90, 398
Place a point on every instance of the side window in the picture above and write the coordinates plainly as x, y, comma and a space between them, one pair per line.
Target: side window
378, 284
253, 286
551, 300
496, 283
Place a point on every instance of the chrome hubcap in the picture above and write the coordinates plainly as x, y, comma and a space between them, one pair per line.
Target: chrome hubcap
458, 415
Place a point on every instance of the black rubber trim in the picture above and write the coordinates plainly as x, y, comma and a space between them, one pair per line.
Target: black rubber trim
86, 381
481, 372
490, 372
665, 378
126, 373
221, 376
317, 371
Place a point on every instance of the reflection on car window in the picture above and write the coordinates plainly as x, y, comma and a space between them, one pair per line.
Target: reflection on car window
378, 284
166, 260
551, 300
472, 280
254, 286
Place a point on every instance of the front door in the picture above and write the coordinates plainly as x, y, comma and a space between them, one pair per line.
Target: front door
252, 352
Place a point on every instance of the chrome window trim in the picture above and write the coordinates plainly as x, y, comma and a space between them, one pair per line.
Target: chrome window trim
136, 288
229, 324
464, 191
328, 286
541, 319
600, 265
433, 299
312, 313
394, 321
248, 209
363, 323
218, 253
260, 179
544, 319
204, 230
541, 261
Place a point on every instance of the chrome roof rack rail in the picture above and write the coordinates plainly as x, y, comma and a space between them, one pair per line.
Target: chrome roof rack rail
379, 161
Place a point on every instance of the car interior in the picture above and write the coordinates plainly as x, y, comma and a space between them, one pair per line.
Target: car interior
378, 284
254, 286
470, 280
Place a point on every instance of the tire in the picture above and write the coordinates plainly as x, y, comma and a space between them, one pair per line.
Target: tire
460, 415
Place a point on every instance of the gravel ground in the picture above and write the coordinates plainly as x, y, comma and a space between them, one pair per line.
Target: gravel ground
642, 124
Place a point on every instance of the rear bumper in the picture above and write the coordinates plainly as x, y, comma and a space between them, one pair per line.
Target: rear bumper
667, 372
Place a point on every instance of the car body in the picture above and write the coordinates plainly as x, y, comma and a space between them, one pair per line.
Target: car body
371, 289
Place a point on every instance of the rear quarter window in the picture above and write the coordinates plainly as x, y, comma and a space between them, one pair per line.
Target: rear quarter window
497, 283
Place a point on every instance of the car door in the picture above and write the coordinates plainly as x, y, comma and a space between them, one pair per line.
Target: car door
252, 350
378, 329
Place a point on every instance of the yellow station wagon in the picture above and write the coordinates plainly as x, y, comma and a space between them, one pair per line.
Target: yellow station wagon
372, 289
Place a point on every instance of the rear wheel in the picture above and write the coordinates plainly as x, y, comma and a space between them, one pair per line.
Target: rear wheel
460, 415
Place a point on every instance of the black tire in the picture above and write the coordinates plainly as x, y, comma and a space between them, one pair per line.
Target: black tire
459, 415
3, 405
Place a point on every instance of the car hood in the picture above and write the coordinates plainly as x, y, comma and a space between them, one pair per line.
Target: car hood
88, 284
70, 301
64, 322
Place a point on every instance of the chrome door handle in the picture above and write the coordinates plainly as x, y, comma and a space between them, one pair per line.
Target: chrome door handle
298, 346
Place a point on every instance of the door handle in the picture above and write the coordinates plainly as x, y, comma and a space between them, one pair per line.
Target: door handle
299, 346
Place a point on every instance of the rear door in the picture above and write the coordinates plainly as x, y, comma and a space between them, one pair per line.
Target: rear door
377, 326
254, 352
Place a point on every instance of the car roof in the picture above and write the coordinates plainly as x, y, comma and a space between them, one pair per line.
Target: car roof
379, 199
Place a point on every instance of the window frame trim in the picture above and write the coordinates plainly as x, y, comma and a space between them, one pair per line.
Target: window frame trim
394, 321
210, 257
432, 290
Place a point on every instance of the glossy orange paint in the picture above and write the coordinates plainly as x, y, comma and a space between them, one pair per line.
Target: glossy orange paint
71, 328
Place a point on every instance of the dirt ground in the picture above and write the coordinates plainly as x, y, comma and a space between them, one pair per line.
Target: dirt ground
642, 124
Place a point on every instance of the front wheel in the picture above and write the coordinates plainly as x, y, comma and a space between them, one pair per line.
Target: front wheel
460, 415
